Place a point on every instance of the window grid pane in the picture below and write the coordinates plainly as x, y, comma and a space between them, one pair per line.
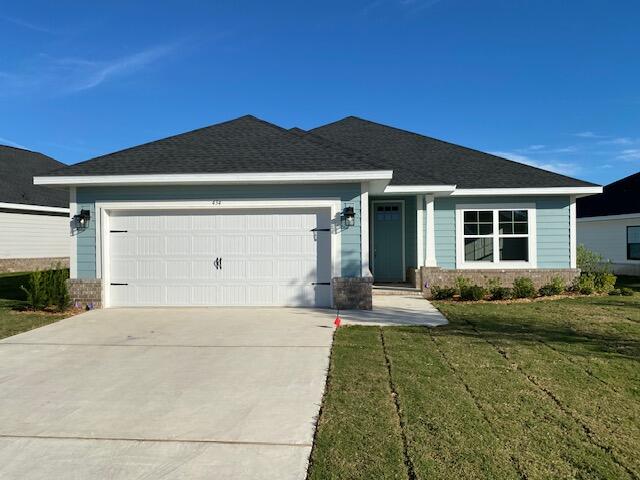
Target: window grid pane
478, 222
633, 243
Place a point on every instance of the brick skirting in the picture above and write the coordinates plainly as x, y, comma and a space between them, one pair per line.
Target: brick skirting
446, 278
352, 293
86, 292
8, 265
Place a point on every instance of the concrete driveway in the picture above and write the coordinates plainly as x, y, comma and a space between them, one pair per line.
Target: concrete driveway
164, 393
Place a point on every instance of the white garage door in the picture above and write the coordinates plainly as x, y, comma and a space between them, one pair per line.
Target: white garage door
232, 258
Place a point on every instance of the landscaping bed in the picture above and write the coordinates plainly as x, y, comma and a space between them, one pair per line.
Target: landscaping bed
538, 389
16, 315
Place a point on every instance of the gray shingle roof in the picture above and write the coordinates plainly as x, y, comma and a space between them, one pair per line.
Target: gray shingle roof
417, 159
246, 144
17, 169
250, 145
618, 198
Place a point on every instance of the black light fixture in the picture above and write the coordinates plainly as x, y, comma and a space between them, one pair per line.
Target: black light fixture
349, 215
82, 219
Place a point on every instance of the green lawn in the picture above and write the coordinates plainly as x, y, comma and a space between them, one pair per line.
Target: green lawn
537, 390
12, 319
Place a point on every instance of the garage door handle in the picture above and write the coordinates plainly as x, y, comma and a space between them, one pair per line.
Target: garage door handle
218, 263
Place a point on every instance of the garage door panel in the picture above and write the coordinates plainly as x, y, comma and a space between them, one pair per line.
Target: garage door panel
267, 258
153, 269
177, 245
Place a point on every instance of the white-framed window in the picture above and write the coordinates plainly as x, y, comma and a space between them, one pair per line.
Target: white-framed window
496, 236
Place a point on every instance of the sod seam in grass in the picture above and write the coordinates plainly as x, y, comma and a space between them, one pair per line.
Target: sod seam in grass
590, 434
411, 473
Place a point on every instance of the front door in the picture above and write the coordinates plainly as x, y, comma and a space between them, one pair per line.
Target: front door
388, 241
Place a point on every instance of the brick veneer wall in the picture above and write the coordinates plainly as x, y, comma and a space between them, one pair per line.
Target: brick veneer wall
86, 291
352, 293
31, 264
446, 278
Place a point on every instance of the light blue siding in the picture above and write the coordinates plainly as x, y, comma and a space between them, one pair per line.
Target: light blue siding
552, 228
348, 193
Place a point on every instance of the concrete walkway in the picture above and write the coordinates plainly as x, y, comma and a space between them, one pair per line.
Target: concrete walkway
164, 393
396, 310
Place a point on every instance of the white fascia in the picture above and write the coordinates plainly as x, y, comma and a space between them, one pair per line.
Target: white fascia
217, 178
420, 189
33, 208
603, 218
578, 191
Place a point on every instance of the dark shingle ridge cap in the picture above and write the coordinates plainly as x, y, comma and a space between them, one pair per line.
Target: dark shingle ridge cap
327, 144
30, 151
379, 160
134, 147
456, 145
296, 133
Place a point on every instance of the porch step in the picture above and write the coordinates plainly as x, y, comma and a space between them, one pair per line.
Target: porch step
395, 290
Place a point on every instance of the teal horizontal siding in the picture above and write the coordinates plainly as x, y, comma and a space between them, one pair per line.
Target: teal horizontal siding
349, 194
552, 227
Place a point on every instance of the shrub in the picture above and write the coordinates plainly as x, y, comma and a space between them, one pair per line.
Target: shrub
36, 290
461, 283
556, 287
603, 282
473, 293
584, 284
589, 261
442, 293
497, 291
615, 292
48, 289
523, 288
501, 293
627, 292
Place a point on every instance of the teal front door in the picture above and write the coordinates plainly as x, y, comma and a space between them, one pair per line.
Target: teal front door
388, 241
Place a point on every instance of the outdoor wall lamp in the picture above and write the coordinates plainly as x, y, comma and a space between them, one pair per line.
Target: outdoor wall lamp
349, 215
82, 219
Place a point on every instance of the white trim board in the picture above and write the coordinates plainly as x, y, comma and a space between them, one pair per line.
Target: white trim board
497, 265
33, 208
373, 219
473, 192
73, 254
104, 208
419, 188
604, 218
364, 230
217, 178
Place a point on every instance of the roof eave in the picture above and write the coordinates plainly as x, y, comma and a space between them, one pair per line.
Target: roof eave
216, 178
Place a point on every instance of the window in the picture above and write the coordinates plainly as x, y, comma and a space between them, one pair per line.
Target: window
387, 213
496, 237
633, 243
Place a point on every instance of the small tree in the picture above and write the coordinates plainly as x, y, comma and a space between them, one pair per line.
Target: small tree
589, 261
36, 290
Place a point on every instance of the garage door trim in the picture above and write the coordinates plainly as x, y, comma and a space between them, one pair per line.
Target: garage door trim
103, 209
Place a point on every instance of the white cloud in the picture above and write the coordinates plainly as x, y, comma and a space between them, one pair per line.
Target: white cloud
629, 154
617, 141
24, 24
588, 134
557, 167
535, 147
6, 141
68, 75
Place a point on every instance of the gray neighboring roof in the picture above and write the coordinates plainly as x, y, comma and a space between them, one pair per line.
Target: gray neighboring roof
17, 169
244, 145
417, 159
618, 198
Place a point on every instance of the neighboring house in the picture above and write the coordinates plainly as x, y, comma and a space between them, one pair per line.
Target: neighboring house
248, 213
609, 224
34, 220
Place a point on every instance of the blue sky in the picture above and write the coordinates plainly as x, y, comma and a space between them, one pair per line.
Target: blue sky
553, 84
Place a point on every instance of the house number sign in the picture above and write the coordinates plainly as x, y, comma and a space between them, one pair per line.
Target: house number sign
216, 202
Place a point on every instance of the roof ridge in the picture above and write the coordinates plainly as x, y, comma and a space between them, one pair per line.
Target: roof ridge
28, 151
168, 138
455, 145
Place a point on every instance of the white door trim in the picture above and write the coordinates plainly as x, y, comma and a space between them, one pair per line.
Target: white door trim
373, 246
103, 210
